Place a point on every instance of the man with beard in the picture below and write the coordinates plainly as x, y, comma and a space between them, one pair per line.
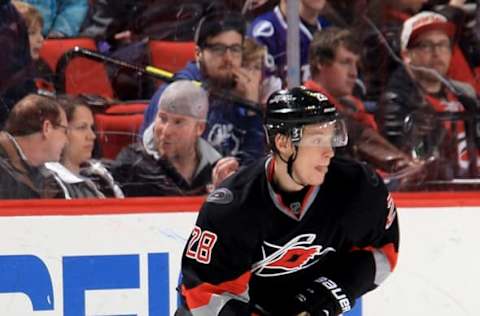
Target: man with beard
233, 129
418, 92
172, 158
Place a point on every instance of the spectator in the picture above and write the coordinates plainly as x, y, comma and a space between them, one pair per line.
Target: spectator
419, 91
118, 22
123, 21
43, 75
16, 76
334, 55
78, 174
381, 36
172, 159
270, 29
232, 129
35, 133
253, 61
122, 29
62, 18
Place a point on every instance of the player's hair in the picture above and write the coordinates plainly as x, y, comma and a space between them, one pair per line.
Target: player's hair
324, 45
30, 14
28, 115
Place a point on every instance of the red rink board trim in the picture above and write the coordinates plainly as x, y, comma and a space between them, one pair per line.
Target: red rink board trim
192, 204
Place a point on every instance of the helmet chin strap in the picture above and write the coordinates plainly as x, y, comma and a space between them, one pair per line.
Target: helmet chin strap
290, 162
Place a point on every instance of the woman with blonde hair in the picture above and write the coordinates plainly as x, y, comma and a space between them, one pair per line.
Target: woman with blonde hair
254, 60
43, 76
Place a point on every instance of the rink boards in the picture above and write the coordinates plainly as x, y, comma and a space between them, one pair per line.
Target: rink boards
123, 257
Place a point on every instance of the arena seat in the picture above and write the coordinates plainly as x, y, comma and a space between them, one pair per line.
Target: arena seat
118, 126
170, 56
79, 75
54, 48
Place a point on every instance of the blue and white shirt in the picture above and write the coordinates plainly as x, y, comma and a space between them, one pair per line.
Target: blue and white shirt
270, 29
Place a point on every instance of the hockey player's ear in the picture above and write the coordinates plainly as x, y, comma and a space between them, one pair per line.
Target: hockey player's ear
283, 143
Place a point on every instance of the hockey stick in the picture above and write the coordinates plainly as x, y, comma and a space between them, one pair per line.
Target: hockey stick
163, 75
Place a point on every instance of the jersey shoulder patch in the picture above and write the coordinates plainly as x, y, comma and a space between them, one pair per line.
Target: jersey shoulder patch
392, 212
220, 196
263, 28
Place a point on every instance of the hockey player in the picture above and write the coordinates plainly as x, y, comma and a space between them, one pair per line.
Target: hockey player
300, 231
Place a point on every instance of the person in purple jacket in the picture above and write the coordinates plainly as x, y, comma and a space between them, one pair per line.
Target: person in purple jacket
270, 29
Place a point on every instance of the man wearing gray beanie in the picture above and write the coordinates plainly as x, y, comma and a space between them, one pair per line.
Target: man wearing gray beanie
172, 158
232, 128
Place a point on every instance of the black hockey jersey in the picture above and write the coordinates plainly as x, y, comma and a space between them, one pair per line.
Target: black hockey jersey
248, 246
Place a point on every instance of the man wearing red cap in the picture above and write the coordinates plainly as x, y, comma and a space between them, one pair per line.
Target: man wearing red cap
420, 90
382, 41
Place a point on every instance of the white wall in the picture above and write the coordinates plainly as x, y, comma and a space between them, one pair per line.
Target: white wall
438, 269
437, 273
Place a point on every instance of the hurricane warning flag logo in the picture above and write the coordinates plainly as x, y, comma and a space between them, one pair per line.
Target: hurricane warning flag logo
295, 255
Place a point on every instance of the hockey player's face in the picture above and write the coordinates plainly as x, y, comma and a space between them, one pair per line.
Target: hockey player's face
176, 135
314, 154
339, 77
221, 54
432, 50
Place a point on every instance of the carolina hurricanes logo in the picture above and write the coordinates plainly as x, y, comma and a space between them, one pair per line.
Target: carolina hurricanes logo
295, 255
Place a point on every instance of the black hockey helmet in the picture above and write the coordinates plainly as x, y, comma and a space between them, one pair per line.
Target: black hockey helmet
289, 110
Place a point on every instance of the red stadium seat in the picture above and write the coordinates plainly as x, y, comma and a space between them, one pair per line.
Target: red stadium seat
117, 127
171, 56
54, 48
79, 75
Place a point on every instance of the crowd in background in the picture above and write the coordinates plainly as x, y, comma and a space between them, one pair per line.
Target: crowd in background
404, 74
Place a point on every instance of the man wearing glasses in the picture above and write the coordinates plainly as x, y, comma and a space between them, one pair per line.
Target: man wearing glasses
35, 133
420, 90
234, 130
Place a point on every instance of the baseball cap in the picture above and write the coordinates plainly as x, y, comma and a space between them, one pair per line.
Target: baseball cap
423, 22
185, 97
218, 22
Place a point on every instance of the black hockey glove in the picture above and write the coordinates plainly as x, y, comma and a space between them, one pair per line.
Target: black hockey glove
323, 297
